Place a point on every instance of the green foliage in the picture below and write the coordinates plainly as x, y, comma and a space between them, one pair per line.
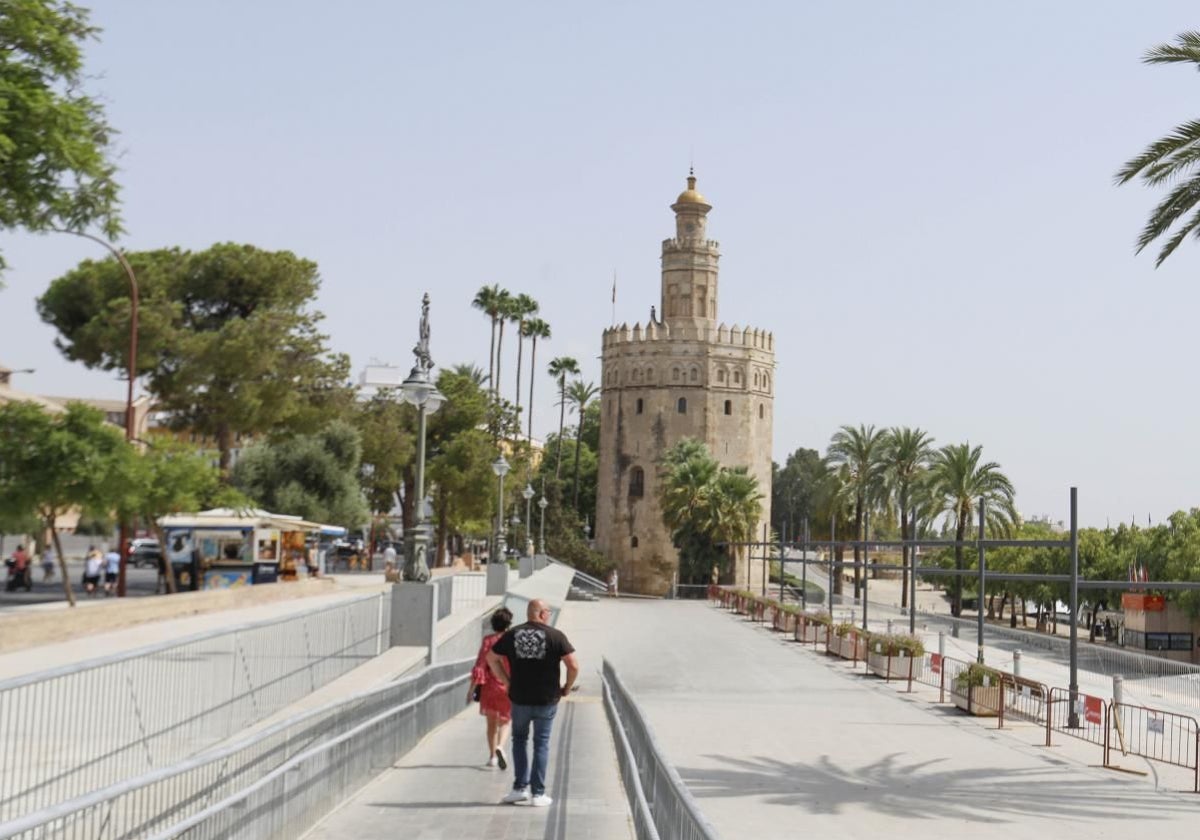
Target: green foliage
313, 476
564, 533
896, 643
795, 491
1171, 161
225, 339
55, 142
974, 675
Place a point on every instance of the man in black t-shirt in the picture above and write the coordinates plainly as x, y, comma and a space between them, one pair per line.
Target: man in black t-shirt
533, 651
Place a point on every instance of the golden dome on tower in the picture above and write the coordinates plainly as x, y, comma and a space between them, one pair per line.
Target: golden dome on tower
690, 195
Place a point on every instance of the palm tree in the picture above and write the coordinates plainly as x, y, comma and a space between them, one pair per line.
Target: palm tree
835, 501
559, 370
533, 329
488, 300
957, 481
734, 506
905, 458
860, 451
505, 314
1171, 160
580, 393
523, 306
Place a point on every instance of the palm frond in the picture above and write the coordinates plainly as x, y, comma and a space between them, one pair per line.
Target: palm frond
1185, 49
1179, 201
1173, 243
1181, 137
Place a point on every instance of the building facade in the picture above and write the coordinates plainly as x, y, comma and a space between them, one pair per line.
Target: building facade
682, 374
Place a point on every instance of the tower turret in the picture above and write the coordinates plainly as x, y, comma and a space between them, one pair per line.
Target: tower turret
689, 264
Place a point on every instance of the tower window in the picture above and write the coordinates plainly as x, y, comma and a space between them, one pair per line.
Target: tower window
721, 376
633, 543
729, 406
681, 406
761, 411
674, 374
737, 377
695, 375
649, 374
639, 405
637, 483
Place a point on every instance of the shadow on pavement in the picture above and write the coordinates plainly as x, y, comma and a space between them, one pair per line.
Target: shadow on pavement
920, 790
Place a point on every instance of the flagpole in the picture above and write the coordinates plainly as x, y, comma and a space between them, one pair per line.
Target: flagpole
614, 298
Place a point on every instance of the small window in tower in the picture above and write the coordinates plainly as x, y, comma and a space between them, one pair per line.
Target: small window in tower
756, 380
737, 377
721, 377
766, 382
681, 406
633, 542
761, 411
639, 405
649, 374
674, 374
695, 375
729, 406
637, 483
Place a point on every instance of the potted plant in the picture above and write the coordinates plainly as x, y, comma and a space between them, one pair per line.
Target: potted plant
891, 656
977, 690
813, 629
843, 641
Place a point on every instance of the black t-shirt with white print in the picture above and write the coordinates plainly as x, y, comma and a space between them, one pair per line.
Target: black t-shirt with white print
533, 651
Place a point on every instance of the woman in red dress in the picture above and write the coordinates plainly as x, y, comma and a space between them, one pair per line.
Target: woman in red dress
493, 696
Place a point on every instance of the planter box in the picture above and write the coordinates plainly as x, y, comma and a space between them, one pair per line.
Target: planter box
833, 644
980, 701
847, 645
877, 663
813, 634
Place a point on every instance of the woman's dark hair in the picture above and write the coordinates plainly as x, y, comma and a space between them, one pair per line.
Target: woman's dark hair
501, 619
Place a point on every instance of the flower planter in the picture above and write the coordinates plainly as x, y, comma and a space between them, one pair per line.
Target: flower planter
810, 632
897, 669
981, 701
852, 647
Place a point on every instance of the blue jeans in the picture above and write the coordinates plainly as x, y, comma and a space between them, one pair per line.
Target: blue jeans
542, 718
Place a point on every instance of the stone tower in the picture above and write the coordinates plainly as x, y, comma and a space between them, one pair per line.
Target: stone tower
681, 374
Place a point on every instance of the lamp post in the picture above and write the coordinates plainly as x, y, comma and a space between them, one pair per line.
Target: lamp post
542, 505
418, 390
515, 522
131, 368
528, 494
500, 468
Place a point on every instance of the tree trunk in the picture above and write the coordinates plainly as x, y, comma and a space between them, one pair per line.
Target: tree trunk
838, 554
499, 359
1024, 615
578, 444
168, 571
858, 535
62, 560
905, 553
1092, 624
956, 593
532, 377
520, 348
562, 418
225, 447
1003, 603
492, 360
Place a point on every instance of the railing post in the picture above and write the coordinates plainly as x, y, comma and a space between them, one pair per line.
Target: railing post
1017, 662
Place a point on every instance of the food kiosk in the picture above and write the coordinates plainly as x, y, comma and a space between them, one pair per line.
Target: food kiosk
228, 548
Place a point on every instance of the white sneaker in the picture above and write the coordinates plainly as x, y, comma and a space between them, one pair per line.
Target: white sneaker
515, 796
491, 762
540, 801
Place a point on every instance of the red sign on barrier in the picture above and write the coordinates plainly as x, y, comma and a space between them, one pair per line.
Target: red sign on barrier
1091, 709
935, 663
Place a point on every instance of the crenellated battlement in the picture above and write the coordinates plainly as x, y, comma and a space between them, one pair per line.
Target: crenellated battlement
654, 331
675, 244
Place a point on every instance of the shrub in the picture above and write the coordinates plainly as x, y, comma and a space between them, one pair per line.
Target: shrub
821, 617
973, 676
844, 629
897, 643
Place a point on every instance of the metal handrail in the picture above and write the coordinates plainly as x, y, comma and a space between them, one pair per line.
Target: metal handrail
157, 647
676, 799
591, 581
643, 817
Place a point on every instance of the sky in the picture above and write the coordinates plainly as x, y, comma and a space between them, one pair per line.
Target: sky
917, 199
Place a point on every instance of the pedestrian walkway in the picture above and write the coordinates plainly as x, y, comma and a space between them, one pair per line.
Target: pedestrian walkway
441, 790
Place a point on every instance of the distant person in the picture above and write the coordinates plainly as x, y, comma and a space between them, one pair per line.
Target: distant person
389, 555
612, 583
18, 570
112, 571
93, 565
491, 693
533, 651
48, 563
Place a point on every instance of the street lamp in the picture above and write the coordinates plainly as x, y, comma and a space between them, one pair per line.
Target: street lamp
542, 505
528, 494
500, 468
418, 390
516, 523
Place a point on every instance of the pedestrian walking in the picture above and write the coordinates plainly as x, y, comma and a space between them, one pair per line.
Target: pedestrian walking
491, 693
112, 570
19, 574
48, 563
533, 651
93, 564
613, 583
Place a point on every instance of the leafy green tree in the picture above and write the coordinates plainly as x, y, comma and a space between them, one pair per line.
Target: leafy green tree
957, 481
50, 464
794, 491
388, 432
905, 459
314, 476
533, 329
226, 340
56, 168
860, 450
1171, 160
559, 370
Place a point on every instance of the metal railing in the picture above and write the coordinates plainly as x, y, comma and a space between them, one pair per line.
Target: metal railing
470, 590
274, 784
70, 730
659, 799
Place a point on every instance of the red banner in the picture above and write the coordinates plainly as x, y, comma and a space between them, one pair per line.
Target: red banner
1091, 709
935, 662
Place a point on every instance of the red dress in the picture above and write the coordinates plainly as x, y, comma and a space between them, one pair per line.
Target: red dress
493, 697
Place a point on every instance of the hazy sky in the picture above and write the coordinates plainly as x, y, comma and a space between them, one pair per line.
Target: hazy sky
916, 198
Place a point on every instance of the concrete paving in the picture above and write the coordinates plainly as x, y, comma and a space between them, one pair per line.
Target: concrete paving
773, 739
